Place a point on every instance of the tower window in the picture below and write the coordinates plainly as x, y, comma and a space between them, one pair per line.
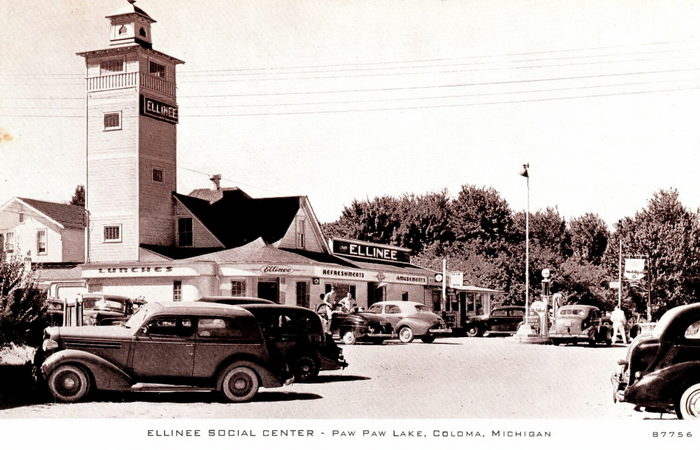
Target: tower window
142, 32
184, 232
111, 66
122, 29
158, 175
21, 217
112, 233
156, 69
112, 121
41, 242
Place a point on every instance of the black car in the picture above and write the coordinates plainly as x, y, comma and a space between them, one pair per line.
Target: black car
501, 320
661, 372
296, 335
162, 347
226, 300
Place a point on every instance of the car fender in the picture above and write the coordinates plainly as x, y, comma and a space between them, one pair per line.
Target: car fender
419, 327
267, 378
105, 375
664, 385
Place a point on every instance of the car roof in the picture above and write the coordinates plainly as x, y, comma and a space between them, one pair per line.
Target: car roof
109, 296
586, 307
200, 309
275, 306
222, 298
396, 302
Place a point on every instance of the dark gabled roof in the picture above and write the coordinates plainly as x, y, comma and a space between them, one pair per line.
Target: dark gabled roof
214, 195
69, 216
255, 252
236, 219
172, 252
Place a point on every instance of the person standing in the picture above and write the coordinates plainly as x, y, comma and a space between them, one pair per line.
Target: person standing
348, 303
619, 320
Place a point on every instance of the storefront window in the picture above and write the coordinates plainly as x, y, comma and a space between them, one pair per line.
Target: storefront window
177, 290
238, 288
404, 296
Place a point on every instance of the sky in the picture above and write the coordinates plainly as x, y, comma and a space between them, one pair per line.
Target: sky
347, 99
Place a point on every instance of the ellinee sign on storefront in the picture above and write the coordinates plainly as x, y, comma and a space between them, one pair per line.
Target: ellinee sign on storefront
158, 110
370, 251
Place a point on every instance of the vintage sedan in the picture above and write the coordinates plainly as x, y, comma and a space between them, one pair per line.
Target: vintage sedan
105, 309
580, 323
234, 300
164, 346
388, 320
661, 372
500, 320
296, 335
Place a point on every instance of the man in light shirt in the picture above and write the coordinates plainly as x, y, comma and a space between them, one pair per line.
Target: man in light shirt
618, 320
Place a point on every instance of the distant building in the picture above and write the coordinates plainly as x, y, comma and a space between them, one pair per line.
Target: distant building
47, 232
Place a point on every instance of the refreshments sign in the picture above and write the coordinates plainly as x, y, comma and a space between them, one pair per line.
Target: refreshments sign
158, 110
634, 269
369, 250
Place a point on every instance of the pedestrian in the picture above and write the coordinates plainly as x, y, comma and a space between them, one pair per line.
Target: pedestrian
348, 303
619, 320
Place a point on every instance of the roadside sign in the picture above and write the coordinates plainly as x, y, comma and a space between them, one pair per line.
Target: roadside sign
614, 285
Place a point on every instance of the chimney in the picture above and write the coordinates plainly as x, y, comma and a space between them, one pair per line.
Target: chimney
216, 179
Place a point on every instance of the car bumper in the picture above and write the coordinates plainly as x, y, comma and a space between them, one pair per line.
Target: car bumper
440, 331
618, 383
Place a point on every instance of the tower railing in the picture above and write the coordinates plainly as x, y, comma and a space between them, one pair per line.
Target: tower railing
131, 79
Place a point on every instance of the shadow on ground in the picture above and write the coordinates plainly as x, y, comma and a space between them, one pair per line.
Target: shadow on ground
334, 379
17, 387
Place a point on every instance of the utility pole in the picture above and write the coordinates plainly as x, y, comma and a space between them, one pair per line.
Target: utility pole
619, 277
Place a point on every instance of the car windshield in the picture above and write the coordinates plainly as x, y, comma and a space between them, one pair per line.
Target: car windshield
137, 319
580, 312
103, 304
663, 323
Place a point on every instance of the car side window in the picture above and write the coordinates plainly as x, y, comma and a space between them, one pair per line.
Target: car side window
693, 331
498, 313
218, 327
516, 313
392, 309
170, 326
376, 309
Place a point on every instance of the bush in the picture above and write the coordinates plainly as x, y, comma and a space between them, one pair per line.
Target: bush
22, 305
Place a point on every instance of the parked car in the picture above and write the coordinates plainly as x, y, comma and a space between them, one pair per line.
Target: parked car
576, 323
105, 309
388, 320
184, 345
226, 300
296, 335
661, 372
500, 320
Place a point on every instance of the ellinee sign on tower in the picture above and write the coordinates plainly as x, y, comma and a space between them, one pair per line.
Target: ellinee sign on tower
131, 140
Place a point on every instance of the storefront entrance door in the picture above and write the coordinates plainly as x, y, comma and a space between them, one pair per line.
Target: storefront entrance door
269, 290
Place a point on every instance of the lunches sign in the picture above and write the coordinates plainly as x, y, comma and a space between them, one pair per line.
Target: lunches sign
158, 110
370, 251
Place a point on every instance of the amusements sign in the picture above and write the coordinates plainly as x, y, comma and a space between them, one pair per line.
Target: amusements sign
370, 251
158, 110
634, 269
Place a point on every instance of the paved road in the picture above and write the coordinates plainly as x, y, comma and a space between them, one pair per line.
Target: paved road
455, 377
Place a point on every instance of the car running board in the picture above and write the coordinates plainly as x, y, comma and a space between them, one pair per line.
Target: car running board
153, 387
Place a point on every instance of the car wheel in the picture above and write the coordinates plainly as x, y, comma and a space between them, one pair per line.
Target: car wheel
473, 331
69, 383
688, 405
406, 334
306, 368
349, 338
428, 338
239, 383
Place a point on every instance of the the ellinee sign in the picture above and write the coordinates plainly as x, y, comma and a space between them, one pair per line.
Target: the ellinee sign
371, 251
158, 110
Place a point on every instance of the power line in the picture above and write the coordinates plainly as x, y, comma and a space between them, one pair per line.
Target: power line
407, 108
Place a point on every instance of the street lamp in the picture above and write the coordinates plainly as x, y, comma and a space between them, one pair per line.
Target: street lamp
526, 325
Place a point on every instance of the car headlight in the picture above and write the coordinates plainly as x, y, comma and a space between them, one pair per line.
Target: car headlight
49, 344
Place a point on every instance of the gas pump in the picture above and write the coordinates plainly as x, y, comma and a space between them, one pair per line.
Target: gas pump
544, 322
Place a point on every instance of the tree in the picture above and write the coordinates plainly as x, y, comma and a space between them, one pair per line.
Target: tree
22, 305
481, 216
78, 196
667, 235
589, 237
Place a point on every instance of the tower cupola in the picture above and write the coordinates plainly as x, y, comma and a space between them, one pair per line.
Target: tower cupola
130, 25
